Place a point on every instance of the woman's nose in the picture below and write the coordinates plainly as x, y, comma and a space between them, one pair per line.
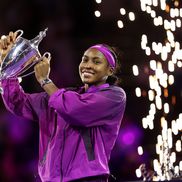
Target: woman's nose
88, 65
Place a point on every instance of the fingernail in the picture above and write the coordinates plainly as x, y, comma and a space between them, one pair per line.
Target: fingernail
3, 37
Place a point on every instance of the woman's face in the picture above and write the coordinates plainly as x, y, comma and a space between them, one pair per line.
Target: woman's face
94, 68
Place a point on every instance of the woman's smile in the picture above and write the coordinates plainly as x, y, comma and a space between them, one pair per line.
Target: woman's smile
87, 73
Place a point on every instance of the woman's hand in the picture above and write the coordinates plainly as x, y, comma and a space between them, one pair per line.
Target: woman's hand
42, 69
6, 43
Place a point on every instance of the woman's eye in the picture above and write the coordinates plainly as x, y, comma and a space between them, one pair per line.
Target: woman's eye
96, 61
84, 60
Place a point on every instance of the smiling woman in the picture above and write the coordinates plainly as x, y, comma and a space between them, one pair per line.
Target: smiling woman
99, 65
78, 128
94, 68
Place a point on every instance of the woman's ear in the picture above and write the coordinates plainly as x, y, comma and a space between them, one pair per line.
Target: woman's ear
110, 71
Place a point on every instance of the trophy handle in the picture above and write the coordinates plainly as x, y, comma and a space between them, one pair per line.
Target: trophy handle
20, 32
46, 54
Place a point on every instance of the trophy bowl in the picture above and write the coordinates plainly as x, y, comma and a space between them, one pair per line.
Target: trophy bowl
20, 57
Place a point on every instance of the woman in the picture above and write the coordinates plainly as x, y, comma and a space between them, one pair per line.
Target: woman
78, 127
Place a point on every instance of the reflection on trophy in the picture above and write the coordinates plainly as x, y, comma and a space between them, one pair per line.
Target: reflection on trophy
21, 55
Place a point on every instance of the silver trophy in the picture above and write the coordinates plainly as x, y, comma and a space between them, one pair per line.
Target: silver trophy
22, 56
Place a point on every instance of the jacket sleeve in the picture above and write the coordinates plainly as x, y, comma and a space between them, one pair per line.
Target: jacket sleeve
18, 102
88, 109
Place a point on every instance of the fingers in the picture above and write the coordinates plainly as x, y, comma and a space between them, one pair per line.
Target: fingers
44, 63
42, 68
47, 56
8, 40
47, 59
31, 60
13, 36
4, 42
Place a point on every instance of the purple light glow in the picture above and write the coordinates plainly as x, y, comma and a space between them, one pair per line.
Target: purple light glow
19, 129
129, 136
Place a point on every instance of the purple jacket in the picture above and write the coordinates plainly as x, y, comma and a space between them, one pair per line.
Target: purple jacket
77, 130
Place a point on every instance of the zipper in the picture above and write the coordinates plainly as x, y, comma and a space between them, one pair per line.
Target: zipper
49, 140
113, 177
45, 153
61, 162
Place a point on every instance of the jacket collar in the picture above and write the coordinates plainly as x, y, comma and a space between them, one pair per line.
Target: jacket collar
94, 88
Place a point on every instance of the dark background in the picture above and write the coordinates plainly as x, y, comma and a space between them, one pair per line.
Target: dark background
72, 28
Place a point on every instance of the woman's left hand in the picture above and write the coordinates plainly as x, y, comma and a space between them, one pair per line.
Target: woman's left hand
42, 69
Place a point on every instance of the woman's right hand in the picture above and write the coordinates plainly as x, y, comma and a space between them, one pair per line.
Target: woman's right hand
6, 43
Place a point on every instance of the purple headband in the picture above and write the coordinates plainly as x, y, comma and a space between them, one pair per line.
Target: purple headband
107, 53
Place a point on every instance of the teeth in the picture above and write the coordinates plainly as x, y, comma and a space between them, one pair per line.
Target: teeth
87, 72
